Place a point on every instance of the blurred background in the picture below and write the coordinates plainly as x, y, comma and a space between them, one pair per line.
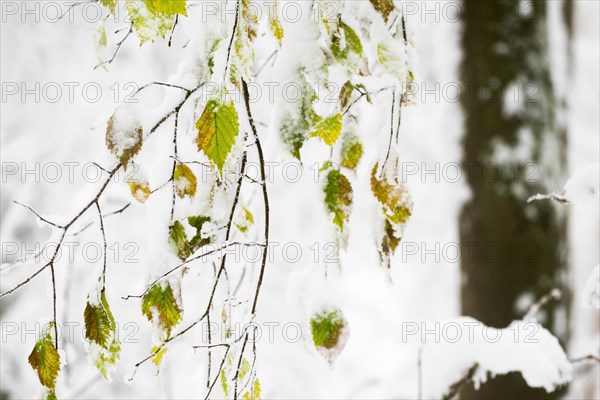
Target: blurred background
539, 64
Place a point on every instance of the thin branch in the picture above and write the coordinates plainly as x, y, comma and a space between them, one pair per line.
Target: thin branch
38, 215
170, 85
387, 156
120, 210
173, 30
55, 324
235, 25
589, 357
456, 387
102, 231
555, 294
189, 260
108, 62
273, 54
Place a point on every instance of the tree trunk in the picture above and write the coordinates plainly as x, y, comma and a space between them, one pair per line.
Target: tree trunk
512, 149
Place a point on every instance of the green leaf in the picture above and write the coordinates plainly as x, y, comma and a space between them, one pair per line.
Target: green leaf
159, 304
391, 61
217, 130
179, 239
352, 151
344, 43
256, 389
224, 383
100, 332
338, 197
124, 136
197, 222
148, 23
166, 7
326, 328
383, 7
185, 181
157, 359
110, 4
397, 209
328, 129
244, 369
392, 196
44, 358
99, 322
298, 122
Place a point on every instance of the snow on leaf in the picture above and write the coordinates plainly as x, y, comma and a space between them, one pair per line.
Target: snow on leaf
148, 22
100, 332
383, 7
297, 123
217, 130
338, 197
243, 55
159, 305
44, 358
99, 322
178, 239
345, 45
397, 208
246, 222
185, 181
352, 151
124, 135
198, 240
140, 189
389, 56
329, 331
100, 42
328, 129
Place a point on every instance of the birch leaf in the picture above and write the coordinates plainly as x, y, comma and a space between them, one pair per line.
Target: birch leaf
218, 129
45, 359
159, 305
338, 197
185, 181
328, 129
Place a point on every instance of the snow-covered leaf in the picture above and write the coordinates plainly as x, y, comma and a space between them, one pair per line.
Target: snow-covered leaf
329, 331
124, 135
185, 181
160, 307
352, 151
338, 197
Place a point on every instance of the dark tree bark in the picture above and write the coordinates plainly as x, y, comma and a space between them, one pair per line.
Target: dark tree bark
512, 149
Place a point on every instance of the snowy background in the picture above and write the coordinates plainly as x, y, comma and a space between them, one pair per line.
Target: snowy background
39, 134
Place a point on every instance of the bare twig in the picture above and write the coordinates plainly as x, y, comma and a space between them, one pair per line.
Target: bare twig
38, 215
108, 62
555, 294
456, 387
235, 26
